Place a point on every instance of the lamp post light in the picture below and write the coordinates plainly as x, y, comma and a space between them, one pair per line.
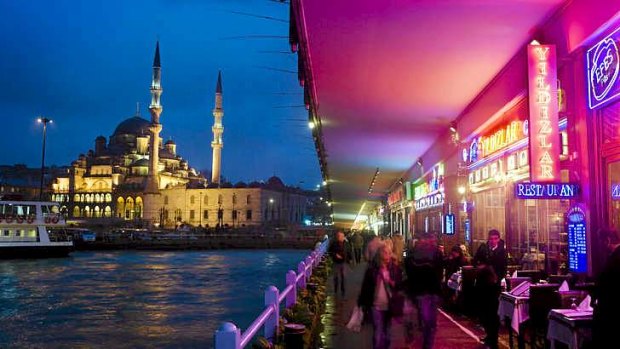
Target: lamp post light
44, 121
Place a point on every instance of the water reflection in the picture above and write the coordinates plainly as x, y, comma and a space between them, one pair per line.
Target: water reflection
135, 299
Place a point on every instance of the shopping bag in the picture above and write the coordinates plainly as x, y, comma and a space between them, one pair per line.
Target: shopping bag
355, 322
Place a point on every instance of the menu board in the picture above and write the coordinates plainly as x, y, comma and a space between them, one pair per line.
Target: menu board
577, 248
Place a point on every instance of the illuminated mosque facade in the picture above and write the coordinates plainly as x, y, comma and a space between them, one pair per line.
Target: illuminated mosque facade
133, 176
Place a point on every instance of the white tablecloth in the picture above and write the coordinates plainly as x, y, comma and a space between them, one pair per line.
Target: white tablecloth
562, 331
514, 308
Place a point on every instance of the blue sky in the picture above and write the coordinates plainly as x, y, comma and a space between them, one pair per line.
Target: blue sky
85, 64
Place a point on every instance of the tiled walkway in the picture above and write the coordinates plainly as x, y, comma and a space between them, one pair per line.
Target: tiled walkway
336, 336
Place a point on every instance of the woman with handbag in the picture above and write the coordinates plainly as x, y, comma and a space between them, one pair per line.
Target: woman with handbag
378, 294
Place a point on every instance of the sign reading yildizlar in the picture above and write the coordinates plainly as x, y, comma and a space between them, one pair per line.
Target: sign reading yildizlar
546, 190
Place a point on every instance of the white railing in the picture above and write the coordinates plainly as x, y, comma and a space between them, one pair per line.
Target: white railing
229, 336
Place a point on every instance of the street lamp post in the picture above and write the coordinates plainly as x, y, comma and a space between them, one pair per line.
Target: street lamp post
44, 121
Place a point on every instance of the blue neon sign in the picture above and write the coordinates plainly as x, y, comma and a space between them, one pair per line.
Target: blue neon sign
546, 190
577, 243
615, 191
449, 224
603, 68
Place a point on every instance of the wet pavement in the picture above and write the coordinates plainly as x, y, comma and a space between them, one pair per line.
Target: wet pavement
453, 330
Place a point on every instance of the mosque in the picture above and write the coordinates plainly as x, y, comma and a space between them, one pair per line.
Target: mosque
133, 176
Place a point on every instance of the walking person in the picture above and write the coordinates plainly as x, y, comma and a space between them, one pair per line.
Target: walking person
491, 263
424, 268
358, 245
338, 251
381, 281
399, 246
607, 305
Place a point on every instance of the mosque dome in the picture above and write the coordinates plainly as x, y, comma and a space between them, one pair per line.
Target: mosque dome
133, 126
275, 183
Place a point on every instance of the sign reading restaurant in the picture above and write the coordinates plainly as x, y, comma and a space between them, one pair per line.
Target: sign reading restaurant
546, 190
543, 123
603, 68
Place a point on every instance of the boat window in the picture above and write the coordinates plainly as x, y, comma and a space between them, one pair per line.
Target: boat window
6, 232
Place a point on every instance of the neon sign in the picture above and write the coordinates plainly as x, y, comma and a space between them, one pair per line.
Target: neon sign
603, 68
432, 200
615, 191
577, 242
449, 224
395, 196
543, 99
433, 184
499, 139
546, 190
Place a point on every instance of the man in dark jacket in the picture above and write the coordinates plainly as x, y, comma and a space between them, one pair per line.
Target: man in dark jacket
607, 307
492, 264
424, 267
338, 250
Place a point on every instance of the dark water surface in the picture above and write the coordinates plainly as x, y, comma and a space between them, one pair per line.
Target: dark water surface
135, 299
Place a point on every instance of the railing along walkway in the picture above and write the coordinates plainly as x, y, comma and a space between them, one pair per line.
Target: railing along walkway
229, 336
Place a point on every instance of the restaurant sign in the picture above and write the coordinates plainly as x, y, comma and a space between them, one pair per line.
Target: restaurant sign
495, 140
544, 130
546, 190
432, 200
603, 68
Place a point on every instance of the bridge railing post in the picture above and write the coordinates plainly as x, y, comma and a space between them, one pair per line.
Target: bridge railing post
271, 325
291, 297
308, 262
301, 270
228, 336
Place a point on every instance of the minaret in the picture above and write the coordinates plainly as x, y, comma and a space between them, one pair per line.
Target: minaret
218, 129
151, 193
152, 182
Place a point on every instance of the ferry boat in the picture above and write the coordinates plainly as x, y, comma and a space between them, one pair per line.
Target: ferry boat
32, 229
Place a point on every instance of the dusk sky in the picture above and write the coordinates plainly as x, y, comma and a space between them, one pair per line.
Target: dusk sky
85, 64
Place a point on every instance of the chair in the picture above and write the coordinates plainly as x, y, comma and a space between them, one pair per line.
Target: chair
558, 279
567, 297
511, 283
535, 275
543, 298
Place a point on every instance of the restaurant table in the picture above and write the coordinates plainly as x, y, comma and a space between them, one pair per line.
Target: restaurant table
571, 327
514, 311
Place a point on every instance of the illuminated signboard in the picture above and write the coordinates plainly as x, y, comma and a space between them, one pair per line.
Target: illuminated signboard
433, 184
449, 224
615, 191
546, 190
496, 140
543, 123
603, 67
577, 243
395, 196
429, 201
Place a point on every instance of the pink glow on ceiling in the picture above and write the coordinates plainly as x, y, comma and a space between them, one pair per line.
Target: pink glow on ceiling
390, 75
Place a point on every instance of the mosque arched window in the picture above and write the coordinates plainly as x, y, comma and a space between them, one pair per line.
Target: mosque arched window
192, 199
107, 212
206, 200
97, 212
87, 212
138, 208
248, 199
220, 199
166, 200
120, 208
108, 197
76, 211
234, 199
129, 208
82, 198
97, 198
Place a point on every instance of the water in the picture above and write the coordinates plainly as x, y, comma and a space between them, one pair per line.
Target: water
135, 299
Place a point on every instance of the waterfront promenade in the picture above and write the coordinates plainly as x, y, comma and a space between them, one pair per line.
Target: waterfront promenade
453, 331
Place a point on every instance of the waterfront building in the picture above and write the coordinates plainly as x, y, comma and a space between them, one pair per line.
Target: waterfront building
133, 176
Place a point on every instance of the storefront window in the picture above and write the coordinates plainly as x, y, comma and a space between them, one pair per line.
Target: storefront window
613, 183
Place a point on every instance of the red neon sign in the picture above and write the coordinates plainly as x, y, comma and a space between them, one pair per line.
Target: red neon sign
544, 128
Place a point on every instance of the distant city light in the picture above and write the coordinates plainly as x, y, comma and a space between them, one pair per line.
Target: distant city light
461, 190
311, 125
324, 182
271, 200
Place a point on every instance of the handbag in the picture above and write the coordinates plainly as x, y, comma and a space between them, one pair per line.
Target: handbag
355, 322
